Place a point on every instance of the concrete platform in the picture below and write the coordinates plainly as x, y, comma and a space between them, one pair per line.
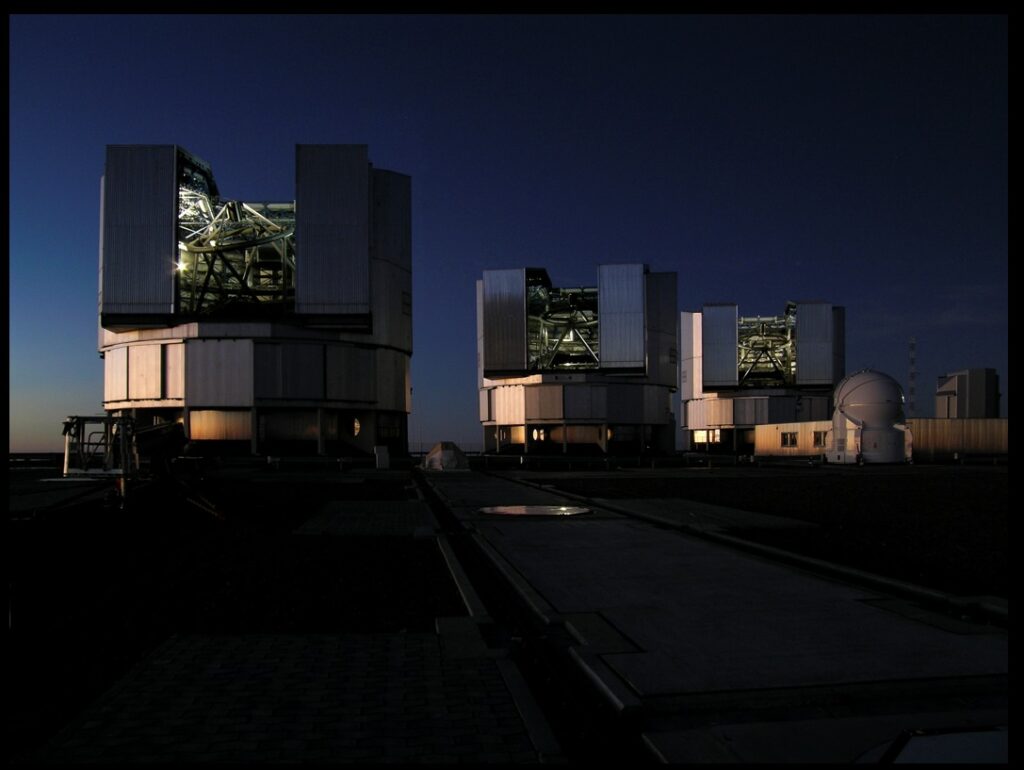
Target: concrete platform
691, 633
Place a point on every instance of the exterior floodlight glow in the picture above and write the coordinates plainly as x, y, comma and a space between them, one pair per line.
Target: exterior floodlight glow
181, 265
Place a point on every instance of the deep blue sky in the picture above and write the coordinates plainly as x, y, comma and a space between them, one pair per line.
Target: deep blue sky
858, 160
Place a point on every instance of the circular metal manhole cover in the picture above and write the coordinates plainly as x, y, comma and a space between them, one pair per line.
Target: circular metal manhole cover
534, 510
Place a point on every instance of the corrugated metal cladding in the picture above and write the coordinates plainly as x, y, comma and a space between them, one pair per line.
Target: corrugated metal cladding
392, 392
657, 405
174, 370
332, 229
145, 368
696, 414
940, 438
719, 412
219, 425
219, 372
509, 405
139, 224
691, 370
504, 317
814, 343
662, 326
115, 374
392, 218
838, 343
289, 370
351, 373
392, 305
625, 403
720, 344
586, 402
621, 296
544, 402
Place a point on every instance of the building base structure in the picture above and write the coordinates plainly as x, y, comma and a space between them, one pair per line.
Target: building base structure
263, 328
576, 414
582, 370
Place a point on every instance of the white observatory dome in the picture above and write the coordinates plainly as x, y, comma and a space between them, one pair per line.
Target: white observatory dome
871, 399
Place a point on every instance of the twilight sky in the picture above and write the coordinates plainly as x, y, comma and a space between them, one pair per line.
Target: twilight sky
857, 160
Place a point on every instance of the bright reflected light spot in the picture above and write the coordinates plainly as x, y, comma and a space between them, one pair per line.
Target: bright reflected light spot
181, 265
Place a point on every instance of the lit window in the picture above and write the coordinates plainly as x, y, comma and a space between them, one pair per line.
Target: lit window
700, 437
715, 436
355, 426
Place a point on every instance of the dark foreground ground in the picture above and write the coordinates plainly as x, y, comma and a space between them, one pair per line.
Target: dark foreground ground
93, 588
943, 527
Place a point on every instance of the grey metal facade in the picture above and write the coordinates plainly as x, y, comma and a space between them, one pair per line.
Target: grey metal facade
970, 393
622, 298
219, 372
504, 320
332, 229
815, 344
138, 248
662, 321
719, 340
391, 259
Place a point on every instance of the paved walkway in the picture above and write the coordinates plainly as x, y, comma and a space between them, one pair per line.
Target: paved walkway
699, 635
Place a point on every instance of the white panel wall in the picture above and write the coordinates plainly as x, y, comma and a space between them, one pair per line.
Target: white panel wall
509, 405
174, 370
145, 363
691, 372
115, 374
